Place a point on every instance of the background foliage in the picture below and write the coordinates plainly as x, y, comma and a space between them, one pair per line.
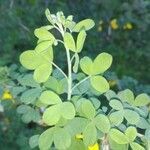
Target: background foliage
129, 47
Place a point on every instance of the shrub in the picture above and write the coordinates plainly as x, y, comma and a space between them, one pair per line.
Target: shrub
79, 111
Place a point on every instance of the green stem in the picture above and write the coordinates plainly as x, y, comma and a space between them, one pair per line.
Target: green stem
69, 74
80, 82
59, 69
105, 143
69, 67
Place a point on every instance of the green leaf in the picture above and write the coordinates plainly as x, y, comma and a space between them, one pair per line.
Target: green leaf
62, 139
118, 136
86, 24
102, 123
131, 116
22, 109
99, 83
69, 42
131, 133
44, 35
136, 146
52, 115
67, 110
117, 117
142, 100
86, 65
77, 145
127, 96
116, 146
46, 139
57, 86
36, 117
76, 64
27, 117
143, 123
50, 98
17, 90
96, 102
46, 54
48, 16
33, 141
76, 125
89, 134
30, 59
27, 80
88, 109
43, 46
101, 63
110, 95
48, 27
30, 95
115, 104
80, 40
42, 73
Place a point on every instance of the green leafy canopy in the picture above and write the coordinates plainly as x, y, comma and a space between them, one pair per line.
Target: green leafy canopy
70, 102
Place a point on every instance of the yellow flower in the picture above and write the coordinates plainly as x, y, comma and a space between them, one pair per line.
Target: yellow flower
7, 95
114, 25
128, 26
94, 147
79, 136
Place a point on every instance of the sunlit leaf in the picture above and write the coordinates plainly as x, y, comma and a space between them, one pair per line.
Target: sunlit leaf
86, 24
99, 83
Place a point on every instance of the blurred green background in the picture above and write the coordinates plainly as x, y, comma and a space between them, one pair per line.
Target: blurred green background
122, 29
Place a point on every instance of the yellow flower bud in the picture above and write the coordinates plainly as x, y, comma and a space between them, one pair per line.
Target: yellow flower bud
114, 25
94, 147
